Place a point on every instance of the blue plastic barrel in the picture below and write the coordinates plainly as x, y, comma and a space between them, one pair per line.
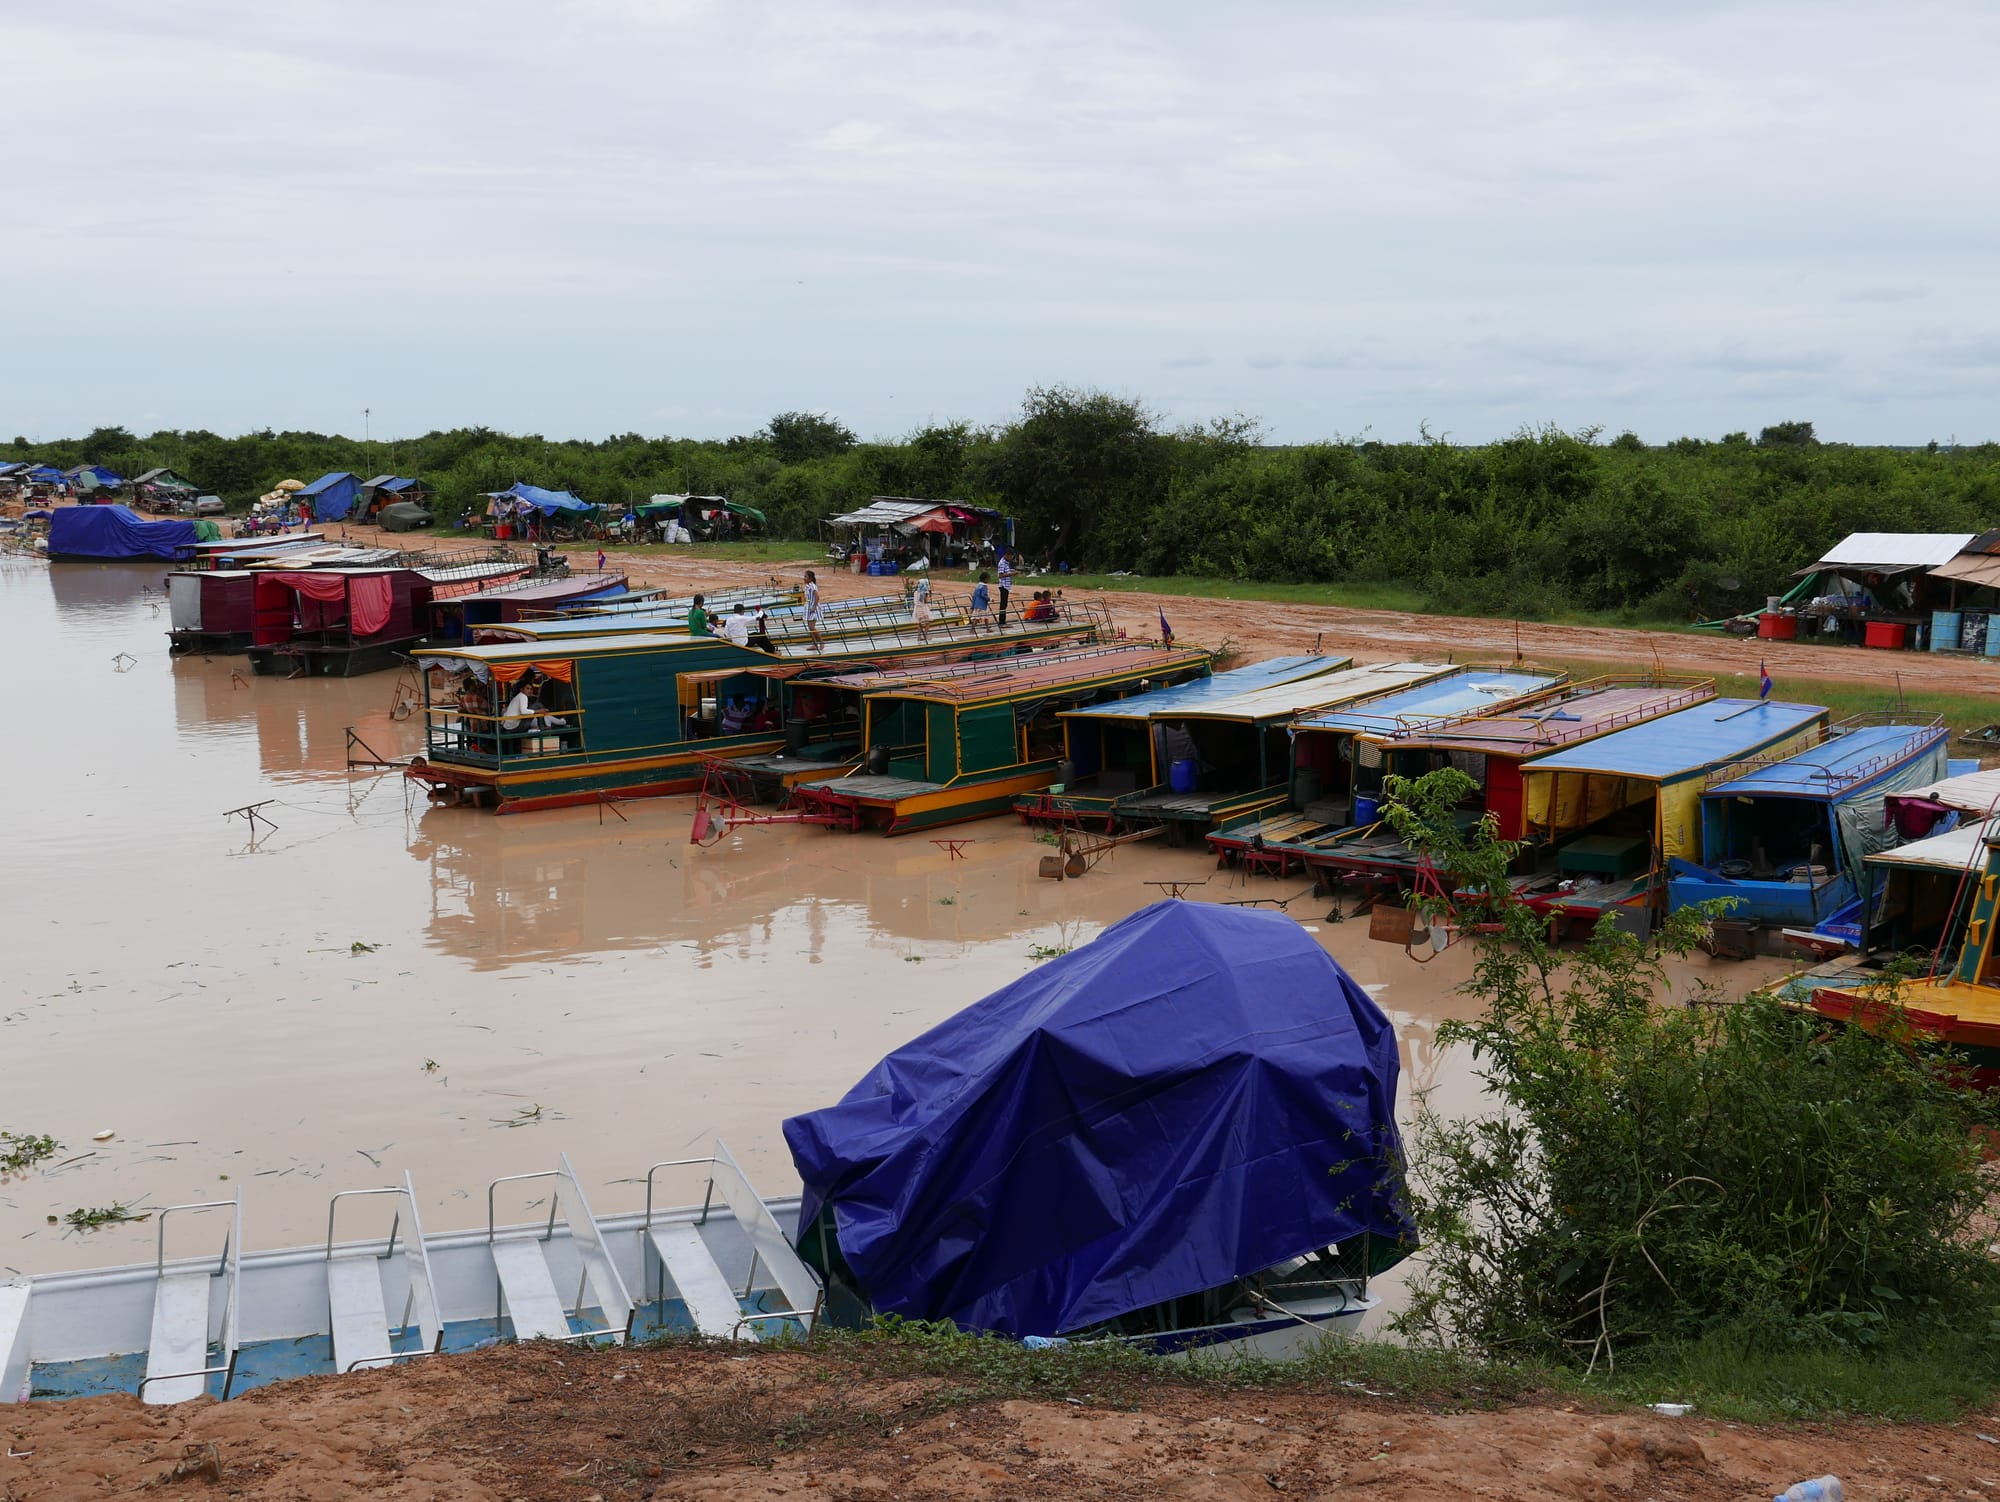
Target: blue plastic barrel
1180, 776
1944, 630
1366, 809
875, 568
1993, 635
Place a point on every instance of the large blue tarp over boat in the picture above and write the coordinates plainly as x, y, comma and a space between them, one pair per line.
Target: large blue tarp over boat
115, 532
1199, 1095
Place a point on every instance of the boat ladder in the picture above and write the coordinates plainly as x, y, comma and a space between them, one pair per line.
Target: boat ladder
361, 1282
192, 1316
682, 1255
525, 1290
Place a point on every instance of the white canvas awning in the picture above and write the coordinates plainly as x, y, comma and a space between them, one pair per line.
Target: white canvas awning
1960, 849
1974, 793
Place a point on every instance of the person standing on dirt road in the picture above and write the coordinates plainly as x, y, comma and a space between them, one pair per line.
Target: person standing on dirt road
814, 611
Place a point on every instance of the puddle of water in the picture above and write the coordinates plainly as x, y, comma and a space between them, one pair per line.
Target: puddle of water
200, 994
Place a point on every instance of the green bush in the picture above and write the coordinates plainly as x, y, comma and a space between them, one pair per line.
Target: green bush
1658, 1169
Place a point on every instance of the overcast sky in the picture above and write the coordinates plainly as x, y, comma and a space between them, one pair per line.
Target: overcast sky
582, 217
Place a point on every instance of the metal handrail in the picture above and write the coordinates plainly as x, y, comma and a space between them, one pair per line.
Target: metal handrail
707, 1196
394, 1226
1824, 779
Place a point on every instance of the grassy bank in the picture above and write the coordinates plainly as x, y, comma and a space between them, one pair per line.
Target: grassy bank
1934, 1377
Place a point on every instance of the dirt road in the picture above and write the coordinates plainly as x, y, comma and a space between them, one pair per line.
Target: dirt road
1260, 629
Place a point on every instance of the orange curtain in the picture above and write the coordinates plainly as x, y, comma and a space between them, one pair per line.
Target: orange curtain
509, 672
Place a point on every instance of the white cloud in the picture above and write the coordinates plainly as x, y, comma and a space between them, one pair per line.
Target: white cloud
608, 214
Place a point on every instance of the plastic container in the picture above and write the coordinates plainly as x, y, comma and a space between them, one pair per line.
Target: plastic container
1819, 1489
1944, 630
1777, 627
1367, 809
858, 563
1888, 634
875, 567
1992, 639
1306, 786
1180, 776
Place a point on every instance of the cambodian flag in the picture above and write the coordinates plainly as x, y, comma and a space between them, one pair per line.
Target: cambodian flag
1763, 681
1166, 631
600, 560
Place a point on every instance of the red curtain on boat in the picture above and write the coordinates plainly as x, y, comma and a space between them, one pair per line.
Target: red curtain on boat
369, 598
324, 599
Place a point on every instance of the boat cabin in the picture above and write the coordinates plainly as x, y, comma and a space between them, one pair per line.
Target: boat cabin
1785, 842
1609, 814
1336, 776
961, 742
1117, 750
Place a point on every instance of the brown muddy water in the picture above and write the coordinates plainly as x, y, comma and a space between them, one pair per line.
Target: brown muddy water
267, 1013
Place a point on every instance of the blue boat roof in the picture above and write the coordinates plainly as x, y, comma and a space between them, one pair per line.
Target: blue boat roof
1183, 697
1708, 735
1459, 693
1833, 768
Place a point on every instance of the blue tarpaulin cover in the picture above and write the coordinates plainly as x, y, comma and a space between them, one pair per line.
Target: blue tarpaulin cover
1199, 1095
332, 495
115, 532
548, 502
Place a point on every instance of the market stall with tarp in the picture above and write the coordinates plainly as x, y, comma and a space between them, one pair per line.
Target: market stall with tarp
908, 533
533, 508
331, 496
1874, 589
1203, 1092
113, 532
161, 490
92, 479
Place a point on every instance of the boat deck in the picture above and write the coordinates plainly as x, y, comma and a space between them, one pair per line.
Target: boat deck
868, 788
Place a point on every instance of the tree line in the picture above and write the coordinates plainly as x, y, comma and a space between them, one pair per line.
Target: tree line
1535, 524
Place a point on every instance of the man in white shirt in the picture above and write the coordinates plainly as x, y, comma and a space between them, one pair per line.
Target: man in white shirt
1004, 572
736, 626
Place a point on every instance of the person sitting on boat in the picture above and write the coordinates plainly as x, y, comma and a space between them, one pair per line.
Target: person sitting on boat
760, 638
555, 698
698, 617
736, 718
736, 626
519, 712
1041, 608
766, 717
473, 708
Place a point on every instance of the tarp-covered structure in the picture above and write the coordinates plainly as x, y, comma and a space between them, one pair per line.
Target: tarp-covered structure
116, 532
332, 495
1870, 574
941, 531
386, 490
85, 478
1199, 1095
517, 500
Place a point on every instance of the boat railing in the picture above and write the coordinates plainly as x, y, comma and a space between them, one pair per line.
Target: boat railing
599, 1273
226, 1337
1829, 782
421, 1302
1681, 693
466, 736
